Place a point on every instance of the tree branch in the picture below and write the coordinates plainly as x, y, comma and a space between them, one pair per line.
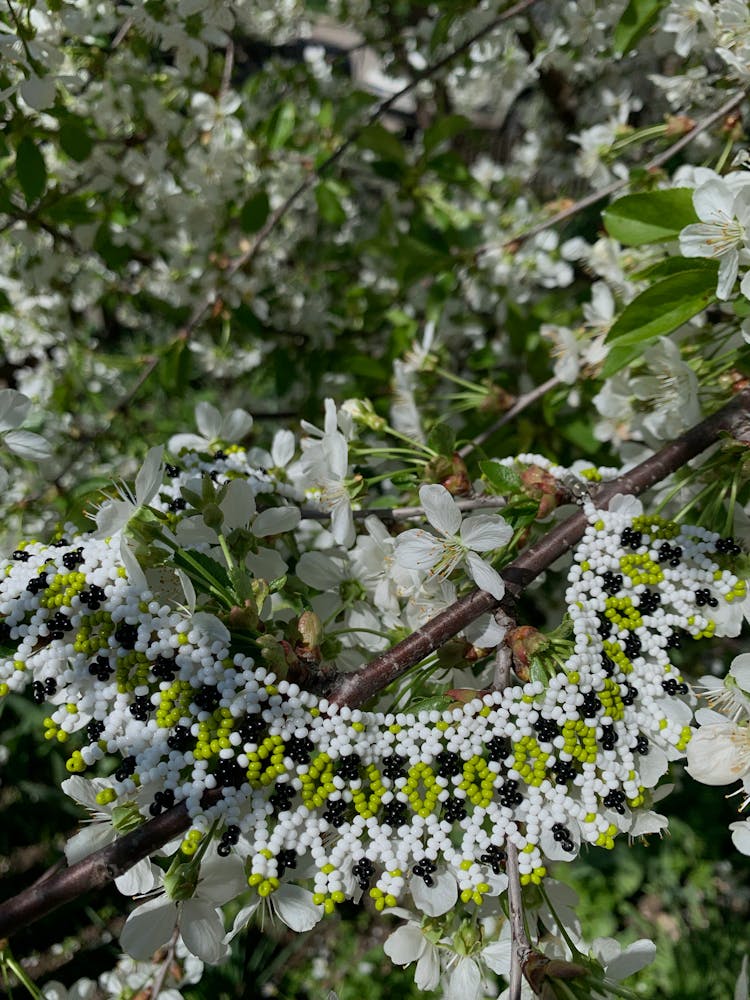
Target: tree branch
106, 864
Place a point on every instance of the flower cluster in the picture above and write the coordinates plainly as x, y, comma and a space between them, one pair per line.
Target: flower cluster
291, 788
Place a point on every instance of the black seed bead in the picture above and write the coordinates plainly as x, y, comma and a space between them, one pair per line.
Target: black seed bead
92, 597
251, 729
281, 799
564, 771
609, 738
141, 707
568, 845
219, 454
101, 668
37, 583
612, 582
425, 869
449, 764
670, 686
72, 559
126, 768
228, 772
126, 635
232, 836
214, 476
547, 729
604, 628
394, 814
179, 503
636, 538
180, 739
454, 810
509, 795
162, 801
560, 833
631, 693
495, 858
50, 686
223, 849
94, 730
608, 665
641, 746
164, 668
615, 800
591, 705
393, 767
348, 768
633, 645
58, 625
664, 553
498, 748
284, 859
682, 688
625, 537
363, 871
207, 697
20, 555
171, 470
299, 749
4, 632
674, 640
37, 692
649, 602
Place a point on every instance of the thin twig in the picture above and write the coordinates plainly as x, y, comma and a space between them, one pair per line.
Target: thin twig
354, 690
405, 513
520, 943
165, 966
518, 407
515, 242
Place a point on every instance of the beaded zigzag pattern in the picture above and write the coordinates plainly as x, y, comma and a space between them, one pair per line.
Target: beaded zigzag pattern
373, 800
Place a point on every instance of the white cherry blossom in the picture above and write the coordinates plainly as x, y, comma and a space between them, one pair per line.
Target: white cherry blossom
458, 541
722, 232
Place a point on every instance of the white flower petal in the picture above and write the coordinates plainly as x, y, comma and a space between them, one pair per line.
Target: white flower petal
202, 930
238, 505
242, 919
14, 408
282, 448
208, 422
275, 521
149, 927
718, 754
221, 879
484, 576
438, 898
441, 509
498, 955
25, 444
186, 442
294, 905
417, 549
89, 838
635, 957
465, 981
741, 836
483, 532
137, 880
427, 973
150, 476
236, 425
405, 945
342, 523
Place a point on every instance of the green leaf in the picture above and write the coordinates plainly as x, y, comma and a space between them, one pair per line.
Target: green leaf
501, 478
281, 125
636, 19
382, 142
208, 569
442, 439
72, 209
254, 212
672, 265
329, 206
650, 218
75, 140
31, 170
657, 311
443, 129
520, 513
